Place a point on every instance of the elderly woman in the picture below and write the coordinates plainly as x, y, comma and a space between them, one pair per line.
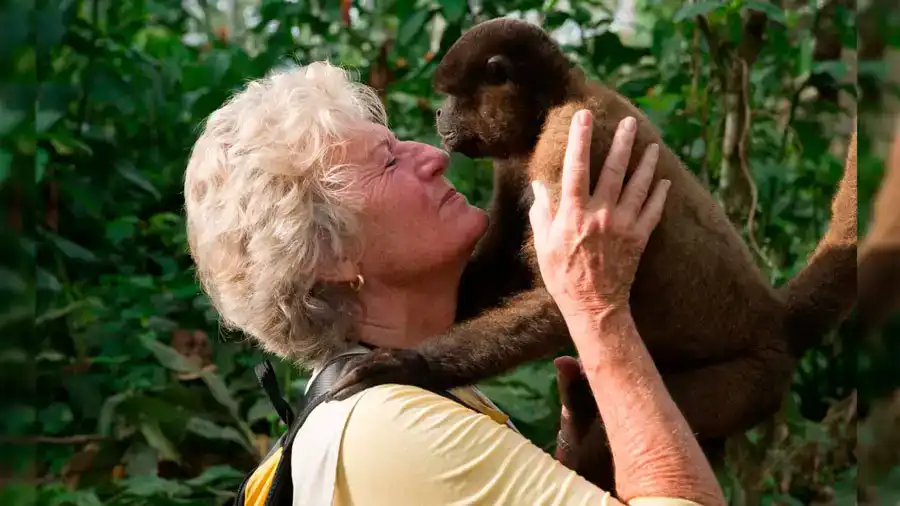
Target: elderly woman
314, 229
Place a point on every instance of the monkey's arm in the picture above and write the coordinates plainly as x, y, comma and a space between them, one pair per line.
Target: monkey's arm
525, 328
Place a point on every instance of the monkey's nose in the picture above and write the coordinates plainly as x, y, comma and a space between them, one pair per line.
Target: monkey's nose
437, 113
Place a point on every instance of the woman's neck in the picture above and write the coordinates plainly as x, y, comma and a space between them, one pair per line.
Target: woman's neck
403, 316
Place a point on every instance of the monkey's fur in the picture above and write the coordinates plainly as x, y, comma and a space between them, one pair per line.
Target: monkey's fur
879, 257
724, 340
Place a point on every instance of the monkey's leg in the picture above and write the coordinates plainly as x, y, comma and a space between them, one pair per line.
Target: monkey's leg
879, 286
525, 328
727, 398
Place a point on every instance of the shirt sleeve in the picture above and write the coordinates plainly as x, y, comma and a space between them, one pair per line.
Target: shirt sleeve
404, 445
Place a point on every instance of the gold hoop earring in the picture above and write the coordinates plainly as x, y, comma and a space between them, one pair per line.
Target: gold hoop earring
357, 284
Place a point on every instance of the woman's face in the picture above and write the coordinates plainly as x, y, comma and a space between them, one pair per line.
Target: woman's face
414, 221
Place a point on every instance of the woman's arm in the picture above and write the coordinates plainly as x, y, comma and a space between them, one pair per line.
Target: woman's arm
588, 254
654, 451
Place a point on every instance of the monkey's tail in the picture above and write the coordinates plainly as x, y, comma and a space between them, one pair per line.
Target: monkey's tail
824, 292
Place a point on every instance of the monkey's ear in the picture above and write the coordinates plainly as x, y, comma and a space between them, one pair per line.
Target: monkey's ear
499, 69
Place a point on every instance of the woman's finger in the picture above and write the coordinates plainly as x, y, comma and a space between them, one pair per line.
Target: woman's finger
577, 162
609, 186
638, 187
652, 211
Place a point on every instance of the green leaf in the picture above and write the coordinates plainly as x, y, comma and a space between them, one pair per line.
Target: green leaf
413, 26
454, 10
70, 249
76, 498
17, 419
132, 174
11, 281
214, 474
44, 120
121, 229
49, 26
140, 460
6, 160
836, 68
9, 119
40, 164
261, 410
221, 392
56, 417
108, 411
167, 356
772, 11
150, 485
688, 11
156, 439
65, 143
210, 430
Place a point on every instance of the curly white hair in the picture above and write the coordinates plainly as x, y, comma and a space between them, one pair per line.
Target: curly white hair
268, 208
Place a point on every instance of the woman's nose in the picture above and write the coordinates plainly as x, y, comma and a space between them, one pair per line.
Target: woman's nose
433, 161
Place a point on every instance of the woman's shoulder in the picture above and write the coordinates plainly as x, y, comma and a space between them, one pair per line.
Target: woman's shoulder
404, 408
437, 451
406, 445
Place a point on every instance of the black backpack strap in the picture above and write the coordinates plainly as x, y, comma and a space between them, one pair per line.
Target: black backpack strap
265, 374
281, 491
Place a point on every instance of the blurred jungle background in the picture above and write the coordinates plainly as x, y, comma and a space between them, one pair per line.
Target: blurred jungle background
120, 388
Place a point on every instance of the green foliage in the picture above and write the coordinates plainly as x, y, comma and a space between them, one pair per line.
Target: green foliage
112, 344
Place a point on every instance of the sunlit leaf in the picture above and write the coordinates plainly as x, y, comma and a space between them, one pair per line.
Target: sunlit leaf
44, 120
454, 9
132, 174
150, 485
772, 11
155, 438
167, 355
216, 474
210, 430
413, 26
689, 10
221, 392
106, 419
55, 417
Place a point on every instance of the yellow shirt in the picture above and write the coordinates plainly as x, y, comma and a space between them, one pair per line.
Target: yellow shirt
405, 446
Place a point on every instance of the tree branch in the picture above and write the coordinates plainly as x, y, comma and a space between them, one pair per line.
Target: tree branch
53, 440
712, 40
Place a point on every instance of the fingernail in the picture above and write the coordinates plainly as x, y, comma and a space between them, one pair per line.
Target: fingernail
585, 117
629, 123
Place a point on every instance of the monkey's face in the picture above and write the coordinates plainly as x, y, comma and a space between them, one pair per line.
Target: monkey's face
489, 113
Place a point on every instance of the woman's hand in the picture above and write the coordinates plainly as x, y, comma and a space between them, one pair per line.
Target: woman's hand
588, 251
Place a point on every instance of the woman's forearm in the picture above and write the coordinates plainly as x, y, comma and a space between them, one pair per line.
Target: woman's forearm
654, 450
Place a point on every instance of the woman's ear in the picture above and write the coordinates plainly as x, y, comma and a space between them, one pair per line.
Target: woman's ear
343, 271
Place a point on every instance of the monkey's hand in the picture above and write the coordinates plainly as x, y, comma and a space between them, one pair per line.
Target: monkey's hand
578, 410
381, 367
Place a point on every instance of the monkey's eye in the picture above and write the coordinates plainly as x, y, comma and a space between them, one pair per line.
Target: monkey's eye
392, 162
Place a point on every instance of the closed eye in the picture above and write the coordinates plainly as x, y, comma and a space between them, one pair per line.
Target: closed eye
392, 162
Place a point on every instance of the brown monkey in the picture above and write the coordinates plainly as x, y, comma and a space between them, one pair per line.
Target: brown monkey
724, 340
879, 258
